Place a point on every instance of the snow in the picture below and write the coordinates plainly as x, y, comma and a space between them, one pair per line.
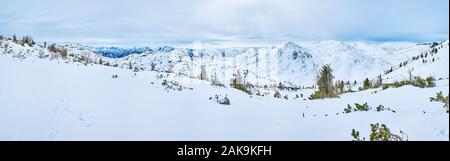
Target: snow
55, 99
436, 65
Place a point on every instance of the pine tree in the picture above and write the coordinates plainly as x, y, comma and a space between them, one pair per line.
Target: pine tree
152, 66
239, 84
366, 84
238, 79
14, 38
324, 82
379, 81
52, 48
215, 79
410, 74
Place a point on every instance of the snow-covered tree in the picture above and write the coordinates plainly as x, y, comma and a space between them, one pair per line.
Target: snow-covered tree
431, 81
239, 84
215, 79
27, 40
238, 78
130, 66
410, 74
203, 74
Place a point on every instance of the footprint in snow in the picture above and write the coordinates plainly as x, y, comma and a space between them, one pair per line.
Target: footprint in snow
84, 118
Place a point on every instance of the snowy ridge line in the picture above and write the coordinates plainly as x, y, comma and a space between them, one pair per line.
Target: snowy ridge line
289, 63
79, 97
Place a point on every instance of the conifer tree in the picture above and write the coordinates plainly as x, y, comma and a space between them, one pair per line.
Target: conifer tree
324, 82
366, 84
14, 38
203, 74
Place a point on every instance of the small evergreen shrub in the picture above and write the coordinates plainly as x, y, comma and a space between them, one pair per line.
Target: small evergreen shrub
277, 94
358, 107
441, 98
431, 81
380, 133
348, 109
27, 40
242, 88
365, 107
419, 82
355, 135
383, 133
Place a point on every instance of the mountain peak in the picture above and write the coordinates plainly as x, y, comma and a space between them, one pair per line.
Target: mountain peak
291, 44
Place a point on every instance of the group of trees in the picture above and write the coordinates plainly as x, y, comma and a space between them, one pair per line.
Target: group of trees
365, 107
25, 40
422, 56
415, 81
326, 88
367, 84
238, 83
203, 74
214, 78
58, 51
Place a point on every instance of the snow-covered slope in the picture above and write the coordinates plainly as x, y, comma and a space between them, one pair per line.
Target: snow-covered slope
432, 62
44, 97
289, 62
358, 60
47, 100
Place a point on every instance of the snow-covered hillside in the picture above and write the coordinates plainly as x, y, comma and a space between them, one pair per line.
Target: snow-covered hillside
432, 62
43, 97
290, 63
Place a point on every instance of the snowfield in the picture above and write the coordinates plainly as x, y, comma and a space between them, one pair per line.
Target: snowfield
43, 99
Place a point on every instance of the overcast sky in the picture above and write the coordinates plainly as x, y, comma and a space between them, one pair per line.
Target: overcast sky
171, 22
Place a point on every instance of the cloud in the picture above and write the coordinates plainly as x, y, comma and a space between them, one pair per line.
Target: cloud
173, 21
